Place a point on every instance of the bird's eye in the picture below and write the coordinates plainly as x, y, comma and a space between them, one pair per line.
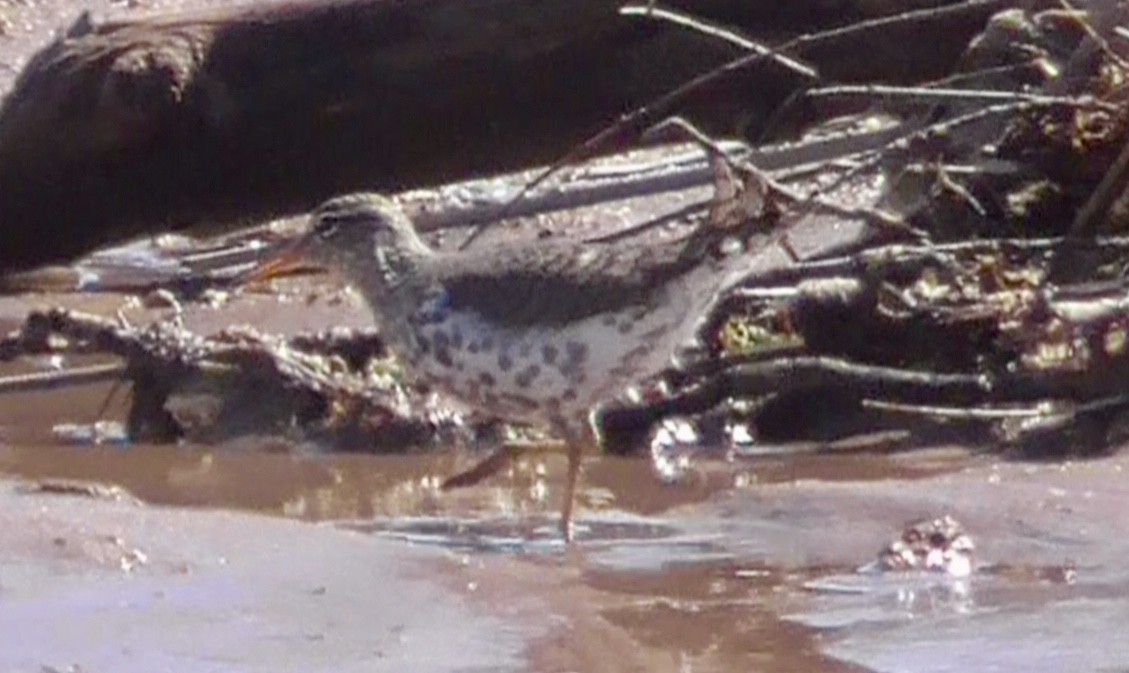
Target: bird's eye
326, 228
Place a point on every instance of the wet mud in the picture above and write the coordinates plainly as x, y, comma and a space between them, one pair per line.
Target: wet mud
267, 554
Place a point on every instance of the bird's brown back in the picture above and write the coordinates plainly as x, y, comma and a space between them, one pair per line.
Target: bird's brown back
557, 282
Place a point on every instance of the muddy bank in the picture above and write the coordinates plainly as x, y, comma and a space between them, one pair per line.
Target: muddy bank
127, 586
757, 570
89, 584
1048, 587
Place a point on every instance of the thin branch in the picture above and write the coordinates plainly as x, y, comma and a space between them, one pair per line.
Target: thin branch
1112, 185
1039, 410
813, 201
725, 34
934, 95
940, 130
648, 114
1081, 16
39, 381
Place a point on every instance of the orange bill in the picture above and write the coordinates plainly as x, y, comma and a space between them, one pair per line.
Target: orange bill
289, 259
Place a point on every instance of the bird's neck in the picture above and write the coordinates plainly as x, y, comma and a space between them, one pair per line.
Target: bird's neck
398, 267
393, 281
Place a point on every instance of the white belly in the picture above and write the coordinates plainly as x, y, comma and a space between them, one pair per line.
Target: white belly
543, 374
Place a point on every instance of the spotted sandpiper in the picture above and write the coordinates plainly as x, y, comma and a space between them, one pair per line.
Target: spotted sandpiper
537, 332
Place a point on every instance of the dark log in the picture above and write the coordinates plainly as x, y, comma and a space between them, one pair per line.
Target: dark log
134, 127
233, 115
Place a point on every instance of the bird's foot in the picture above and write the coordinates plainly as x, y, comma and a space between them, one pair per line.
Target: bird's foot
567, 529
567, 507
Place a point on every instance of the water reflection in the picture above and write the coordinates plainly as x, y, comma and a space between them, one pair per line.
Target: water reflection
739, 564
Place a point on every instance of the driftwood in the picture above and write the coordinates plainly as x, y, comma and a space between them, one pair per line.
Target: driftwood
232, 115
966, 337
995, 354
238, 382
1000, 308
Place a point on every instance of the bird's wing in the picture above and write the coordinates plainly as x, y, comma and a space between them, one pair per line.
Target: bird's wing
556, 283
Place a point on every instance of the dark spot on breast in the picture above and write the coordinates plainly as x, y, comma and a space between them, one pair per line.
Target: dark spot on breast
527, 376
442, 341
472, 347
443, 356
608, 320
625, 327
487, 344
424, 345
575, 355
576, 352
486, 379
505, 363
456, 338
549, 354
569, 395
490, 399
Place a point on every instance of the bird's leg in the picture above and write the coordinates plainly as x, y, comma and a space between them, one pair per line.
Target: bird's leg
501, 455
574, 442
504, 453
497, 461
575, 448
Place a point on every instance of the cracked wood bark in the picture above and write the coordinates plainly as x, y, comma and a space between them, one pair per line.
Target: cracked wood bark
230, 115
130, 127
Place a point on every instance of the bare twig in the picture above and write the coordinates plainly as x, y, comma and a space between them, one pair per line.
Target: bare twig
904, 143
812, 201
1112, 185
947, 183
1082, 18
38, 381
1038, 410
1045, 409
648, 114
725, 34
928, 94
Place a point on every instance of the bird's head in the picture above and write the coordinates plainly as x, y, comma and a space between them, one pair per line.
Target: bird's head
365, 236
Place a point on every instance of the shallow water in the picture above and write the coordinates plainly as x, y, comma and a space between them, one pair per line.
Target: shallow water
748, 564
